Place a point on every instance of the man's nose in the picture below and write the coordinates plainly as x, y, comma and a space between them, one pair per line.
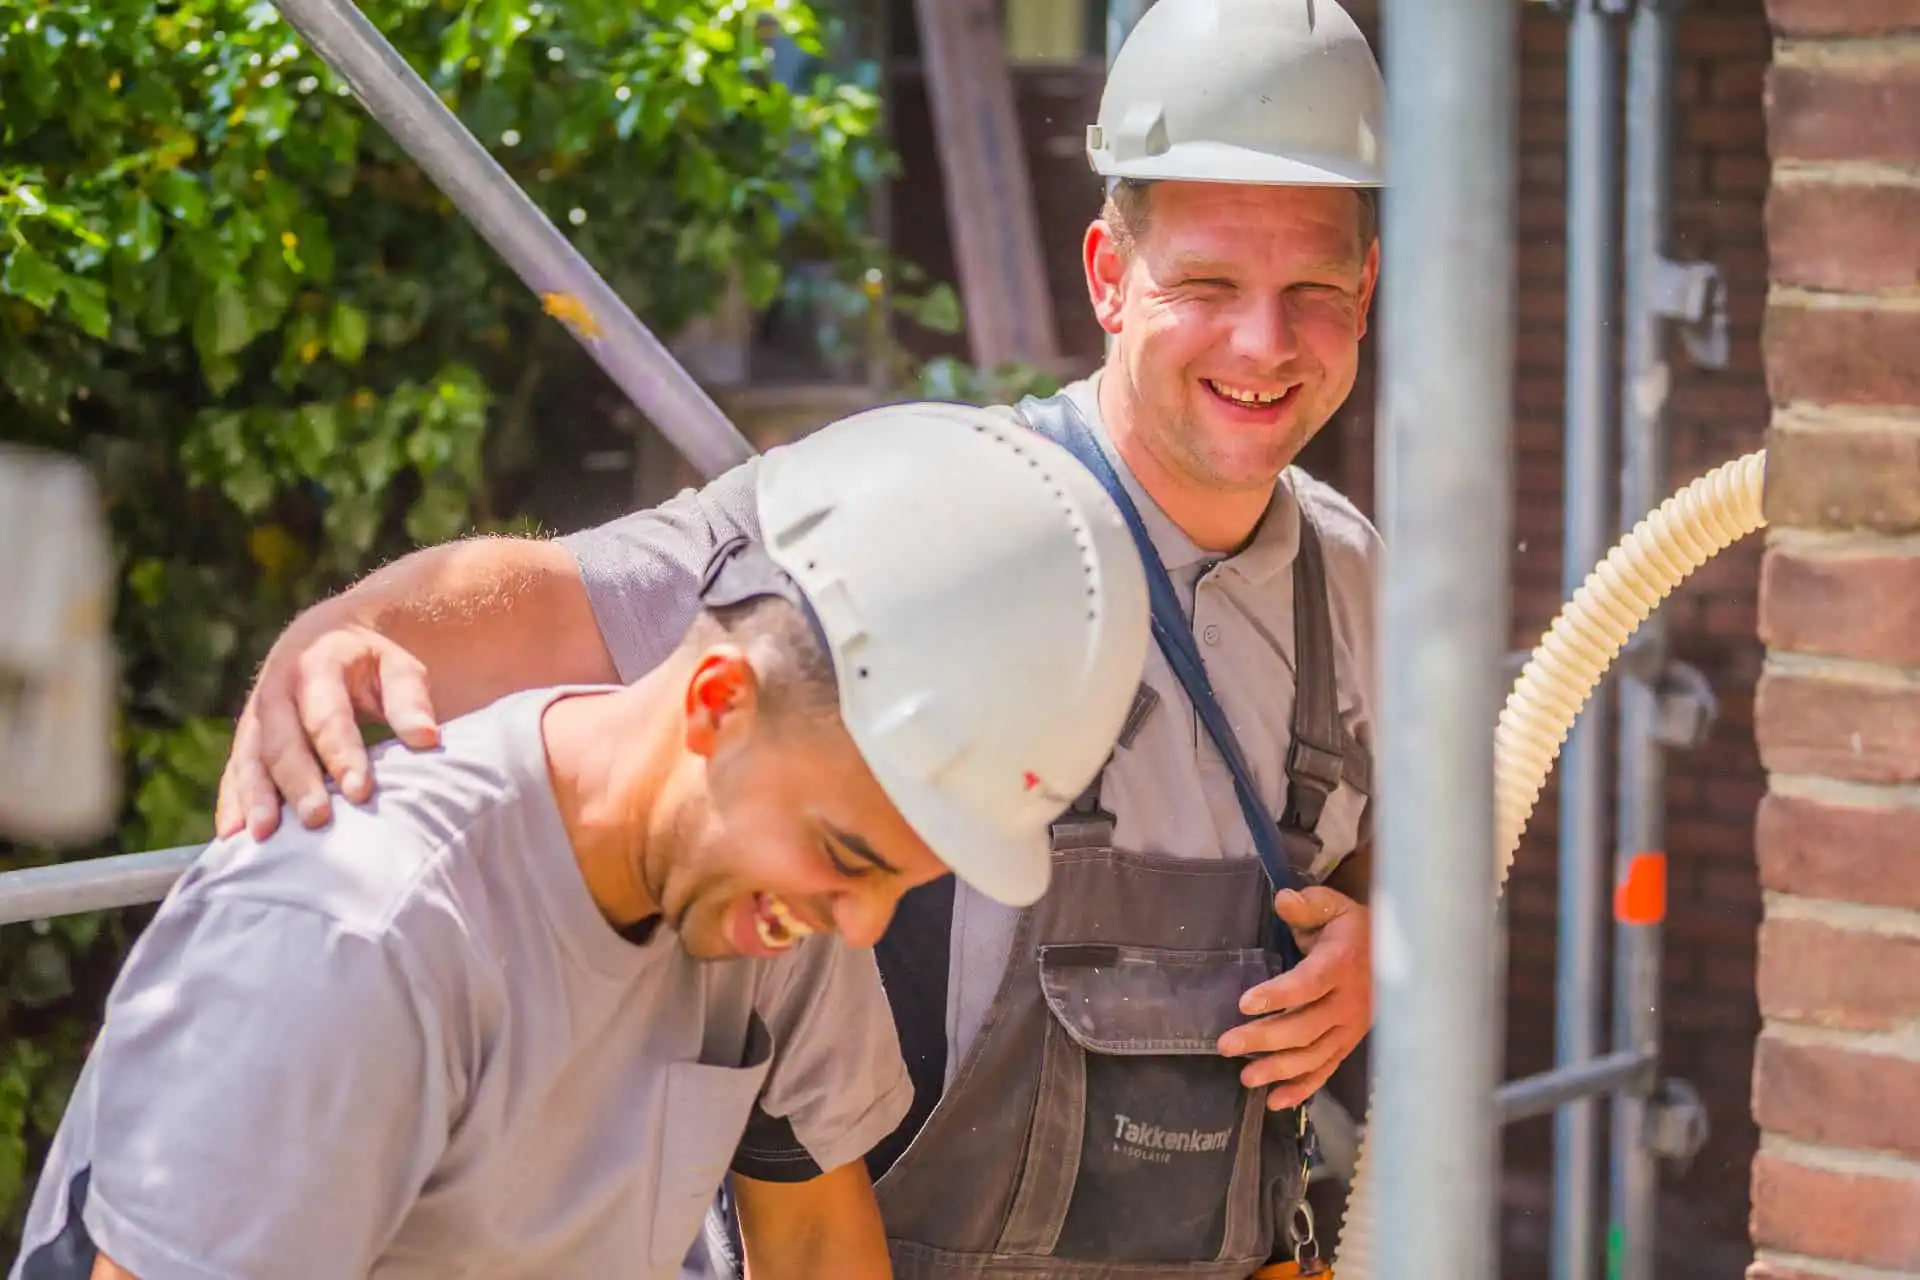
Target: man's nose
1265, 333
861, 918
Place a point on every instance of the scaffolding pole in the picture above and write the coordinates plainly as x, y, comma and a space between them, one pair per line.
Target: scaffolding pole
1593, 104
487, 197
1444, 473
1646, 378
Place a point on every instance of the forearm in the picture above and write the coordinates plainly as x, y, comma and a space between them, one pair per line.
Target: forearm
485, 616
829, 1226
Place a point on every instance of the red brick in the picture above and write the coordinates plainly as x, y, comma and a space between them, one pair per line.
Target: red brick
1726, 973
1724, 126
1839, 852
1848, 605
1851, 237
1843, 355
1838, 729
1814, 973
1837, 1097
1693, 838
1737, 80
1843, 17
1865, 1219
1723, 35
1730, 889
1739, 174
1854, 477
1844, 112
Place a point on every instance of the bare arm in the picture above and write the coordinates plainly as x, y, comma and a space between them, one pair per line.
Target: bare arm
105, 1268
476, 619
827, 1226
486, 616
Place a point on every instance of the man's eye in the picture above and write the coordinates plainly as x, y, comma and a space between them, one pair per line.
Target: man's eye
840, 864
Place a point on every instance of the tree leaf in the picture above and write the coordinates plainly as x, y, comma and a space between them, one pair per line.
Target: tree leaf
30, 277
87, 299
347, 333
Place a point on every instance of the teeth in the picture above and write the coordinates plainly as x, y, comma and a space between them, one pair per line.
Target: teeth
778, 927
1246, 397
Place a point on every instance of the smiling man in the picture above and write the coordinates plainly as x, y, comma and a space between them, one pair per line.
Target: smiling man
471, 1027
1115, 1078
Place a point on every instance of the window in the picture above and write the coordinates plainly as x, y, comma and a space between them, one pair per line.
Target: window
1054, 30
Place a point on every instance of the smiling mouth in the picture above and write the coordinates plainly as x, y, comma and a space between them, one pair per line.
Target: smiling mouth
1246, 397
778, 928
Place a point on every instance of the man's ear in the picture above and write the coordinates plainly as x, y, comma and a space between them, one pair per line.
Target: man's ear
1106, 269
722, 696
1369, 280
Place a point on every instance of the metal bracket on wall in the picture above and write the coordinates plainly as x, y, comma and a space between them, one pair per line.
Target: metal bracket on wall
1676, 1125
1687, 707
1695, 294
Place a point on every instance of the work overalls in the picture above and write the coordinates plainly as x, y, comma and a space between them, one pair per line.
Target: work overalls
1093, 1129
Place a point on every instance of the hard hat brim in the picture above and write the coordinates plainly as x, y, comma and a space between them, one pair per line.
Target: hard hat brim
1011, 867
1218, 162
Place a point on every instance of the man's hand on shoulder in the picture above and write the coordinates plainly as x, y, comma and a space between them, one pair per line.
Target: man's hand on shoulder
1317, 1012
318, 682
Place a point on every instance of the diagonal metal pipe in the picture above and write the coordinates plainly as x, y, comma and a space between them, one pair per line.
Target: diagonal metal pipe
486, 196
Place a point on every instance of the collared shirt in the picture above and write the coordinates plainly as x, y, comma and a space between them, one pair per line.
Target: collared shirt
1170, 791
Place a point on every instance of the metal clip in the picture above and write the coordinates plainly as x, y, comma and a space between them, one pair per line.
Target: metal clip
1687, 707
1676, 1122
1695, 294
1306, 1245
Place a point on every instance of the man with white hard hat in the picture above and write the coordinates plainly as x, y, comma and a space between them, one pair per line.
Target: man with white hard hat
1116, 1077
516, 1014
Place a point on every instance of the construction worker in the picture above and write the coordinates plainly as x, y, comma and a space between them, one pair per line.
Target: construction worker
1089, 1073
468, 1027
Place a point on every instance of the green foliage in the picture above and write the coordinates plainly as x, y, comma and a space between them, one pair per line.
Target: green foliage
287, 358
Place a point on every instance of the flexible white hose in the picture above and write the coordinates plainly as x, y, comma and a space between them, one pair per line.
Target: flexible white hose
1687, 530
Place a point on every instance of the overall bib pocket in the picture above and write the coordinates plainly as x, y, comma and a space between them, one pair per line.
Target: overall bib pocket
1145, 1146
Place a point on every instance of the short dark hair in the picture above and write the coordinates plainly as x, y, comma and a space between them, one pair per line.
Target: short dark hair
795, 674
1126, 212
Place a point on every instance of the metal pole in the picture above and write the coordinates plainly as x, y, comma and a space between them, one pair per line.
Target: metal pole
1537, 1095
96, 884
506, 216
1593, 103
1446, 504
1634, 1183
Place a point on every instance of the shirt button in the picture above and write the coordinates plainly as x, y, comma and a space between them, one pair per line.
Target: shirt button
1211, 634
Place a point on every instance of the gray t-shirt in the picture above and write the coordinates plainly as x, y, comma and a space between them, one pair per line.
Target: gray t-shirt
409, 1045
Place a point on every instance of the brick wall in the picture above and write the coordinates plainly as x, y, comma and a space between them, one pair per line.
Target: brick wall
1836, 1082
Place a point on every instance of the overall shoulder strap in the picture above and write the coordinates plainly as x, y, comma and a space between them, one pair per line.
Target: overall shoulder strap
1320, 754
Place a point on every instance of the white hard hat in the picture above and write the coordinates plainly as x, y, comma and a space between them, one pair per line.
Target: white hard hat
986, 613
1277, 92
